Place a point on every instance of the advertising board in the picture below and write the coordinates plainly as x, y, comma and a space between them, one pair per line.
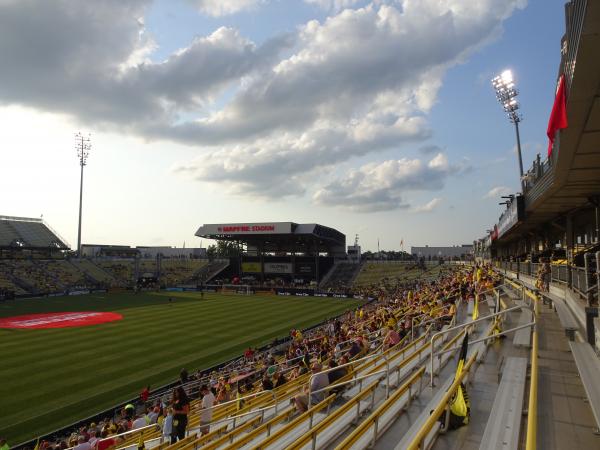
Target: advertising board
251, 267
278, 267
514, 214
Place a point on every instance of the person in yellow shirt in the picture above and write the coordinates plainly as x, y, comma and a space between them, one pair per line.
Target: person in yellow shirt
452, 310
391, 322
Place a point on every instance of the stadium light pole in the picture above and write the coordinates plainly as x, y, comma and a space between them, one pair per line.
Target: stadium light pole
83, 145
506, 93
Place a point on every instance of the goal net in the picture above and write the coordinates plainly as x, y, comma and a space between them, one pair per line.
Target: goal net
238, 289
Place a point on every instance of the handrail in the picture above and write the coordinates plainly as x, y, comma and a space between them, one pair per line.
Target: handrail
134, 444
531, 441
229, 435
305, 415
314, 431
129, 432
371, 356
437, 412
247, 413
432, 320
255, 394
349, 363
343, 383
412, 319
232, 418
248, 437
491, 336
350, 439
467, 324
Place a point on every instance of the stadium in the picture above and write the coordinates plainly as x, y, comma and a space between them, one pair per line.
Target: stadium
281, 334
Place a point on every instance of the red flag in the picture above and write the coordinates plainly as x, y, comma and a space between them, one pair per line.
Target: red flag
558, 116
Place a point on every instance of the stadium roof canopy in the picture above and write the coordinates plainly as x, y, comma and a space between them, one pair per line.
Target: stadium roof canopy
29, 233
279, 236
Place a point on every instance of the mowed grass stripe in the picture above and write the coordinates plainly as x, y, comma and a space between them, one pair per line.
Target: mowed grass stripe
146, 317
240, 347
100, 364
110, 373
142, 313
134, 320
52, 398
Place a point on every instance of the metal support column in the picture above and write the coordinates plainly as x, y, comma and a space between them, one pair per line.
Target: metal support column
569, 242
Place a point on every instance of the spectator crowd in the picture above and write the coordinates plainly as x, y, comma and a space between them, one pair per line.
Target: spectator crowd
379, 324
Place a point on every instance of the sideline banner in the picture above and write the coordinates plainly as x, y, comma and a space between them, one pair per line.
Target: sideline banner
251, 267
311, 293
278, 267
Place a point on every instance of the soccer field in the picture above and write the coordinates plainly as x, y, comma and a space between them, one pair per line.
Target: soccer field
54, 377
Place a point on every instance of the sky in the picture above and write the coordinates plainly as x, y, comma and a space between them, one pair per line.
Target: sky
375, 117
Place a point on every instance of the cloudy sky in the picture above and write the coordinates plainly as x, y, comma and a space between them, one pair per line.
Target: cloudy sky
374, 117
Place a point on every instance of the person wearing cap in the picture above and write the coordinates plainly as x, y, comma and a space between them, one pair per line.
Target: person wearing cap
319, 381
129, 411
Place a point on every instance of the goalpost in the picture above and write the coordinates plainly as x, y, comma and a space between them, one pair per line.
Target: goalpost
235, 289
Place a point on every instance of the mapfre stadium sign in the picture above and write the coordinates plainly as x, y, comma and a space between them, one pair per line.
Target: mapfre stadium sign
245, 228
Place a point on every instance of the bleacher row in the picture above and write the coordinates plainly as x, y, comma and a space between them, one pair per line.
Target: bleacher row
385, 401
35, 276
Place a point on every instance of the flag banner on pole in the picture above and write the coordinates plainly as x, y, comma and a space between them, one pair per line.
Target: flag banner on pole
460, 403
476, 307
558, 116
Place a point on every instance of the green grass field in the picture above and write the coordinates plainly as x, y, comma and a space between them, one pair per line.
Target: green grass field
51, 378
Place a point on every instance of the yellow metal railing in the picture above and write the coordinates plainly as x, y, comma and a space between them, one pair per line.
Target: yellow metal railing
533, 390
439, 409
373, 418
531, 439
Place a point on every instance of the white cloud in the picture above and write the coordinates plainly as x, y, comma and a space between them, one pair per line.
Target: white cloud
380, 187
103, 77
361, 81
218, 8
335, 5
429, 206
497, 192
281, 166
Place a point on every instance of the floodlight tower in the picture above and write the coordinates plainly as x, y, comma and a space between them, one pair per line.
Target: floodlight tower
506, 93
83, 145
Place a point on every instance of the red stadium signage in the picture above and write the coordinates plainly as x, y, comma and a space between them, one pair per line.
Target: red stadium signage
59, 320
245, 228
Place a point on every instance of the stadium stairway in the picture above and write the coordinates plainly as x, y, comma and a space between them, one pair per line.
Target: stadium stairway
206, 273
95, 272
342, 273
8, 281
